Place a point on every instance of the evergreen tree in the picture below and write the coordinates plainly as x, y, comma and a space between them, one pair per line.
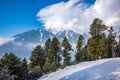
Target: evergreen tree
96, 44
47, 47
11, 65
35, 74
9, 62
111, 42
54, 55
97, 28
5, 76
118, 45
66, 48
80, 55
37, 58
24, 70
47, 67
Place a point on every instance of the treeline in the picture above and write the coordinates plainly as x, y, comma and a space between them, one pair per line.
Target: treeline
57, 55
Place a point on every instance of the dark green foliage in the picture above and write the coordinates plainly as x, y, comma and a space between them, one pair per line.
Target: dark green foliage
66, 45
12, 66
8, 60
117, 51
37, 61
37, 58
24, 70
97, 48
47, 67
54, 54
80, 53
110, 42
66, 48
80, 43
4, 75
47, 47
63, 66
118, 46
10, 63
35, 74
97, 28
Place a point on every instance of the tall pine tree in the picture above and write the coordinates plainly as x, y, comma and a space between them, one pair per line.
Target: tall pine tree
54, 55
37, 58
118, 45
47, 47
24, 70
80, 55
66, 48
96, 44
110, 42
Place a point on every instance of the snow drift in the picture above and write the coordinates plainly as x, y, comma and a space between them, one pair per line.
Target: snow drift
105, 69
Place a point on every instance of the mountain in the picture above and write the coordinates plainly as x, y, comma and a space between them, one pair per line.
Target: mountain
33, 36
105, 69
23, 43
71, 35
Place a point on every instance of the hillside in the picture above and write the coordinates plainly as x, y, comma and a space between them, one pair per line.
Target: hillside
105, 69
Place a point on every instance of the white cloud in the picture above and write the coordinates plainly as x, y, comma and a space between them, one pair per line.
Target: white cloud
17, 43
31, 46
5, 40
77, 16
108, 10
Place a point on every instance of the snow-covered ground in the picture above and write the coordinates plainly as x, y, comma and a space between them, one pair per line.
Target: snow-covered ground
105, 69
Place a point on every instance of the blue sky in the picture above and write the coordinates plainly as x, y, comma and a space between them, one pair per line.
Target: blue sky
17, 16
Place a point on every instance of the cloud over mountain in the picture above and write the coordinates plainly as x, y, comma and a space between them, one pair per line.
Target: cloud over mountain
4, 40
76, 15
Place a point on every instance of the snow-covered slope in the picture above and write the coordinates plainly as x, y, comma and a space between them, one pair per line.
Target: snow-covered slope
106, 69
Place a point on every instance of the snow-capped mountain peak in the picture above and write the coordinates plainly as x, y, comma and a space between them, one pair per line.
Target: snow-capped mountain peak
33, 36
71, 35
24, 43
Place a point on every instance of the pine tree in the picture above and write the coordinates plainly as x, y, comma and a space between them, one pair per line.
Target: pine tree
97, 28
80, 55
47, 47
24, 70
5, 76
47, 67
118, 45
37, 58
54, 55
111, 43
96, 44
9, 61
11, 65
66, 48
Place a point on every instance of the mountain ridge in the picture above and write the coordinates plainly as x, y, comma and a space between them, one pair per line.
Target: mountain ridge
25, 42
